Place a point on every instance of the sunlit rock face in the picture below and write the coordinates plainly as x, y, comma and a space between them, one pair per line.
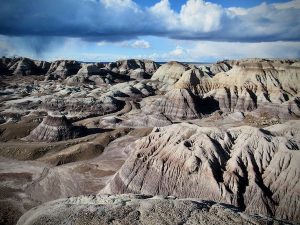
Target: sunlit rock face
260, 85
195, 80
253, 84
254, 169
136, 210
170, 72
221, 66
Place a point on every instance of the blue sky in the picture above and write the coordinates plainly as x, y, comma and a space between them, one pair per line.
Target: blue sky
176, 4
162, 30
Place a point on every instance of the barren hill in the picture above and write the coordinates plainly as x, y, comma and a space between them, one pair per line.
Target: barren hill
255, 169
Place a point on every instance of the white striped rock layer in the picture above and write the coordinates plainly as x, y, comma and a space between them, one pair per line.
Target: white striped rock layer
53, 128
175, 104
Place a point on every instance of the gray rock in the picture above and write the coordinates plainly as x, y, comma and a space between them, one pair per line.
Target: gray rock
137, 210
254, 169
53, 128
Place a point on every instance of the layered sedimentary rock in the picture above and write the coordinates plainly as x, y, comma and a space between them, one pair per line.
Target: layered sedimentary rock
136, 210
170, 72
25, 66
89, 69
42, 66
77, 80
63, 68
222, 66
195, 80
131, 89
126, 66
254, 169
266, 86
175, 104
53, 128
148, 66
253, 84
155, 120
83, 106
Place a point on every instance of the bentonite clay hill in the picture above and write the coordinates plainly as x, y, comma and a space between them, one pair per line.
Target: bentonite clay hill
54, 127
259, 85
137, 210
176, 104
254, 169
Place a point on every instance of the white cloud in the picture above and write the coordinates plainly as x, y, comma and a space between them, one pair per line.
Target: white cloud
200, 16
141, 44
203, 51
228, 50
163, 15
120, 4
287, 5
194, 16
102, 43
203, 20
177, 52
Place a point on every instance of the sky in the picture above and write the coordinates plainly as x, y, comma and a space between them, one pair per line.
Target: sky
161, 30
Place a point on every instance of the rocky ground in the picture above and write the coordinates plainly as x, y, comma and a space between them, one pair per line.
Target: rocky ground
138, 209
226, 133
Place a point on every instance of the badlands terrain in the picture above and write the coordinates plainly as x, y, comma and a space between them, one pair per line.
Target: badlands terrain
137, 142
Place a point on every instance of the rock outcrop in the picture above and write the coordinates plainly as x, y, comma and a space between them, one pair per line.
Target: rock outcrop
260, 85
222, 66
254, 169
25, 66
137, 210
170, 72
89, 69
195, 80
175, 104
155, 120
139, 74
53, 128
252, 84
127, 66
77, 79
63, 68
81, 107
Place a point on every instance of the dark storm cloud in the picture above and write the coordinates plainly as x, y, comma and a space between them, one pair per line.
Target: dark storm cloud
117, 20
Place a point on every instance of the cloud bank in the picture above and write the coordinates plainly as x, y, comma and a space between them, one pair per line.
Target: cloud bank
119, 20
